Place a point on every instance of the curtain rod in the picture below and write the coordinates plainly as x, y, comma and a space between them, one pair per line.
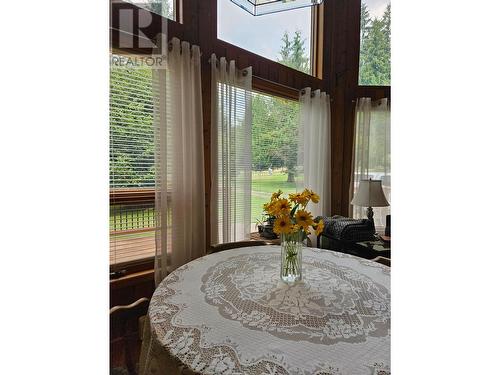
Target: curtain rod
171, 47
303, 91
244, 71
297, 91
373, 100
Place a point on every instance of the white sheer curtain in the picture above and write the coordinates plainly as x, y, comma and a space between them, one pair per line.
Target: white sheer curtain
372, 152
179, 163
315, 148
231, 139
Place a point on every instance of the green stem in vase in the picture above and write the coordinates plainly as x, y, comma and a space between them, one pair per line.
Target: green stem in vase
291, 262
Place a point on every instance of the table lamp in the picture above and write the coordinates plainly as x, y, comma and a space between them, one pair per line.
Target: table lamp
370, 194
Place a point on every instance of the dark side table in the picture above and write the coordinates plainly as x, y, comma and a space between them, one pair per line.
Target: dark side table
363, 249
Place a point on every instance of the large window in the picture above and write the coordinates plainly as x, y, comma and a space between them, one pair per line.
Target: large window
284, 37
274, 148
375, 47
131, 163
372, 152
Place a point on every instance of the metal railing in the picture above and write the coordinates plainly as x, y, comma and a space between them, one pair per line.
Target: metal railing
132, 211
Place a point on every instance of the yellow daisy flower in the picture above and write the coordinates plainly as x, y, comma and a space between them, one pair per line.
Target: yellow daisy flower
314, 197
299, 198
269, 207
304, 219
282, 207
319, 227
283, 225
276, 195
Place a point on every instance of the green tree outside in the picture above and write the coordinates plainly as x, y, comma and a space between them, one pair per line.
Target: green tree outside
293, 52
375, 48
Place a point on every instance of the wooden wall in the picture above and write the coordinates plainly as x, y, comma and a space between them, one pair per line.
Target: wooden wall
338, 49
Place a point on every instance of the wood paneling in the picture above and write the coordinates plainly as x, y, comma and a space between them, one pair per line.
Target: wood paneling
130, 288
124, 196
340, 72
338, 29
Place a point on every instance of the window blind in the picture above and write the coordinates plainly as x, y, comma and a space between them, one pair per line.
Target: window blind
234, 163
247, 176
131, 163
275, 133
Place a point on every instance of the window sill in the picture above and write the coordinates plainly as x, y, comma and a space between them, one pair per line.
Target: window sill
129, 268
132, 279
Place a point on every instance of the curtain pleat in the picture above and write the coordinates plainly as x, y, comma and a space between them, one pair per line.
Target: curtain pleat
315, 148
179, 160
372, 150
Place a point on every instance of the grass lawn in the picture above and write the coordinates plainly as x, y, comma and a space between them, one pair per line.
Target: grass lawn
263, 185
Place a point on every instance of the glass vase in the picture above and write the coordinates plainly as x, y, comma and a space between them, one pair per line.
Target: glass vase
291, 257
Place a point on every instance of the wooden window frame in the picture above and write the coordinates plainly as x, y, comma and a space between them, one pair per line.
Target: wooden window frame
317, 33
335, 67
316, 42
124, 196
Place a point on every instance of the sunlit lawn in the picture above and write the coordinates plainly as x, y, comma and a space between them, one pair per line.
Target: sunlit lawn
263, 185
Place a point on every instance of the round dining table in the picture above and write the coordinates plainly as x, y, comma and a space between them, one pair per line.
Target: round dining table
230, 313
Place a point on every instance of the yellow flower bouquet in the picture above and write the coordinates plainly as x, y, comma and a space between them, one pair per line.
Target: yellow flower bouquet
294, 223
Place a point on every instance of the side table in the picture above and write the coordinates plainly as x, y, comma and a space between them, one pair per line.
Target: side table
255, 236
363, 249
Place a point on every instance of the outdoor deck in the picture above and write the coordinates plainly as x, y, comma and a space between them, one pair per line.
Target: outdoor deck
127, 249
124, 249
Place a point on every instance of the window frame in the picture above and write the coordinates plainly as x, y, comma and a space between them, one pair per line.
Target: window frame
124, 195
146, 195
316, 42
336, 60
357, 63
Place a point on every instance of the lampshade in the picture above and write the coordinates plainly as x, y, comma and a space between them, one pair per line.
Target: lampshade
260, 7
370, 194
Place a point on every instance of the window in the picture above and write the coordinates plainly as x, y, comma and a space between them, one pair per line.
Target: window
249, 172
165, 8
284, 37
375, 43
372, 152
275, 124
131, 163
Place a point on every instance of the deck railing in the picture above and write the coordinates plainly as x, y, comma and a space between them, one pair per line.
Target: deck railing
132, 224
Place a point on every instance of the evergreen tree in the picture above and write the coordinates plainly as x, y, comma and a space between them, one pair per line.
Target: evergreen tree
274, 134
365, 22
275, 120
293, 52
375, 51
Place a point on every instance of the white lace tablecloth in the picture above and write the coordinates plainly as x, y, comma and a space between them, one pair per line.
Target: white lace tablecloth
229, 313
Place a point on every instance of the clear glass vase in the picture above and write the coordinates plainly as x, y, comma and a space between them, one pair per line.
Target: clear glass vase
291, 257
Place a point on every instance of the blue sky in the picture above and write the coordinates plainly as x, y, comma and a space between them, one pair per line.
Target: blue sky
262, 34
376, 7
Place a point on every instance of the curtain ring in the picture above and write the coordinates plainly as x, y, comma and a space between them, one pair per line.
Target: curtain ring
244, 72
302, 92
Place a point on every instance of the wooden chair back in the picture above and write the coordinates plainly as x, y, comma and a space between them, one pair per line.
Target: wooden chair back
235, 245
125, 335
383, 260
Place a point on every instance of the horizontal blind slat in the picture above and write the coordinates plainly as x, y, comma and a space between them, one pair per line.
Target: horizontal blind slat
132, 101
